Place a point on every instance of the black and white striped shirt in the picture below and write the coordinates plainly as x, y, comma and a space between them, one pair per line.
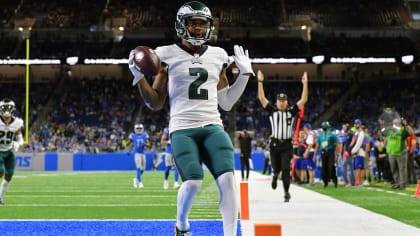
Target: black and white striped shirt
282, 121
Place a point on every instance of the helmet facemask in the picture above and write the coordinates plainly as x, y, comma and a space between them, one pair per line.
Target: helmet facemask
7, 108
189, 12
138, 129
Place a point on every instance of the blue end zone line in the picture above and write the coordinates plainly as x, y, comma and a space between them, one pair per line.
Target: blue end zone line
108, 227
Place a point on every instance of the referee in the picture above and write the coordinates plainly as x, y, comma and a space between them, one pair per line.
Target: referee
281, 119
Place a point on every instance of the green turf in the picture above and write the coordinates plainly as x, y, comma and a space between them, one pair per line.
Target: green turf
101, 195
404, 208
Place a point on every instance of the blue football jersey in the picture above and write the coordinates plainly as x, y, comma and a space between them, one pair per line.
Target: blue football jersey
139, 141
168, 146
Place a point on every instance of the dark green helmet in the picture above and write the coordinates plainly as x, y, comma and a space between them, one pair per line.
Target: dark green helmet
325, 124
193, 10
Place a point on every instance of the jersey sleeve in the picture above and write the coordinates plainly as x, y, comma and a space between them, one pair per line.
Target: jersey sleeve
162, 53
310, 139
270, 109
131, 136
294, 110
225, 58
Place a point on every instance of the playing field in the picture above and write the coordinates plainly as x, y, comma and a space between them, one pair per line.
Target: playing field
379, 198
105, 203
101, 195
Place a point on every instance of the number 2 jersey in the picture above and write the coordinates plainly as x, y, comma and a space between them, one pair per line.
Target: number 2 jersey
192, 84
8, 132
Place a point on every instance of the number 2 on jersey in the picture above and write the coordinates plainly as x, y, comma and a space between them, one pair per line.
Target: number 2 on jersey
194, 92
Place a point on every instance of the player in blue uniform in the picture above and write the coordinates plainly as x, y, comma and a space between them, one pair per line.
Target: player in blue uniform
169, 159
140, 140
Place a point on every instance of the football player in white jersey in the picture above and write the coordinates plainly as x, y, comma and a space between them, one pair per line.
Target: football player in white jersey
10, 127
194, 76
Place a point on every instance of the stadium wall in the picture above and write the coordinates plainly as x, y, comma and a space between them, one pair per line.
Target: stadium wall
100, 162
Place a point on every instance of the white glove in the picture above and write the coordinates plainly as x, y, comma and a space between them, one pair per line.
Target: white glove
15, 146
136, 73
242, 60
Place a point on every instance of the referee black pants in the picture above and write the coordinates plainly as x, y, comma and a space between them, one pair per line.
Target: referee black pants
328, 168
245, 163
281, 154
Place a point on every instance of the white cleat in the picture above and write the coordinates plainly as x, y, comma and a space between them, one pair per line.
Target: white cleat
135, 183
165, 184
176, 185
141, 185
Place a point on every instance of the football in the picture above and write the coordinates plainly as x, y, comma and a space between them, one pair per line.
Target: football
146, 60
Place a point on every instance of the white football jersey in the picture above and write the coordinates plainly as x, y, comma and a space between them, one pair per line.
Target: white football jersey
8, 133
192, 84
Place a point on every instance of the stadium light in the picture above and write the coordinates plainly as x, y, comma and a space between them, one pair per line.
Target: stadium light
318, 59
30, 62
20, 29
72, 60
362, 60
408, 59
303, 27
121, 28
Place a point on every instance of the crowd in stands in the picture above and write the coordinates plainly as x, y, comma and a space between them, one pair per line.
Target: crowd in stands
38, 95
91, 113
231, 13
372, 98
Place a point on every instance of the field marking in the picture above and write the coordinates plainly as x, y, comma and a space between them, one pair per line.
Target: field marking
103, 220
386, 186
389, 191
87, 190
93, 205
93, 196
202, 215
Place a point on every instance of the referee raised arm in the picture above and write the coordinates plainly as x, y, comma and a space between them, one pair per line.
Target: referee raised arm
282, 118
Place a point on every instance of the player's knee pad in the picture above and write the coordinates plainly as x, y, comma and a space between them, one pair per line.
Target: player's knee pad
193, 184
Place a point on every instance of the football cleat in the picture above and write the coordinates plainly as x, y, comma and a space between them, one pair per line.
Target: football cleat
274, 182
135, 183
176, 185
165, 184
179, 232
287, 197
141, 185
1, 201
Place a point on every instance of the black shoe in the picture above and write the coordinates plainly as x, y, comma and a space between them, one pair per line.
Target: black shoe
395, 186
335, 185
179, 232
287, 197
325, 185
274, 182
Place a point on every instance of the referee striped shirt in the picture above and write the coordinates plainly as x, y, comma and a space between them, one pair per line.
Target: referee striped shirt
282, 121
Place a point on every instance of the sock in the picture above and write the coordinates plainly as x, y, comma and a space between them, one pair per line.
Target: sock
176, 175
229, 203
139, 172
4, 187
186, 196
167, 170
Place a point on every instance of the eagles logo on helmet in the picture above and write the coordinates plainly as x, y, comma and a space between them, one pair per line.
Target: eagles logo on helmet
194, 10
7, 108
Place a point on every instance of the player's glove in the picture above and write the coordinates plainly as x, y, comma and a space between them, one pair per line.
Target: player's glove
242, 60
136, 72
15, 146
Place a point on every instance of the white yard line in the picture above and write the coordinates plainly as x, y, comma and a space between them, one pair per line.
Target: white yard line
90, 196
311, 213
93, 205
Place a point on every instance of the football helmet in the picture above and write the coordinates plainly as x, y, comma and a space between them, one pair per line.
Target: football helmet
7, 108
138, 128
193, 10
